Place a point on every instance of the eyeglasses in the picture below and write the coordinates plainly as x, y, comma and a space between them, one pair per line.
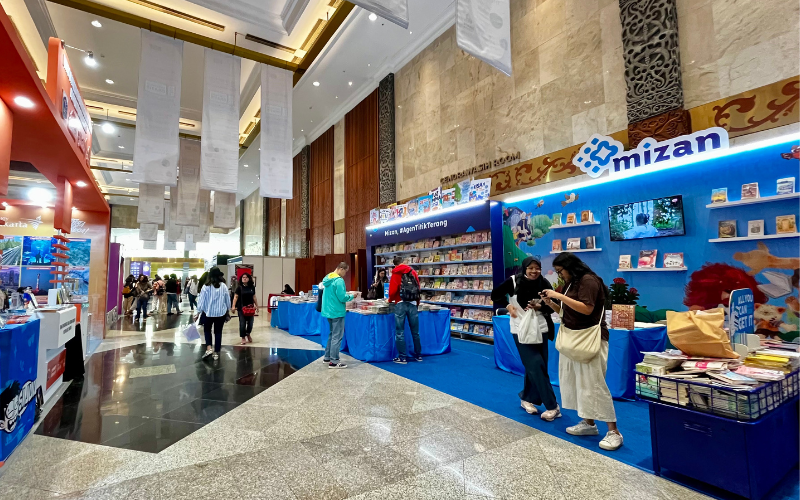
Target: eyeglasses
559, 271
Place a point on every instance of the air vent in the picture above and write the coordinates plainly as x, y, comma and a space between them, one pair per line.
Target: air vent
96, 108
182, 15
263, 41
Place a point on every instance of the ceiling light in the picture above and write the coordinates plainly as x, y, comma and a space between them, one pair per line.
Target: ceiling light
5, 204
350, 83
109, 81
80, 184
96, 24
131, 199
128, 180
369, 64
121, 147
410, 32
246, 166
373, 17
89, 60
23, 102
337, 96
301, 130
108, 128
39, 194
316, 84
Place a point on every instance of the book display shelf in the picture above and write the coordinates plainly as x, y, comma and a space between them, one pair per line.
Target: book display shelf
454, 271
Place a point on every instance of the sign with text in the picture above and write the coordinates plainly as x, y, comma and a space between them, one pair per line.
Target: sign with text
462, 219
741, 317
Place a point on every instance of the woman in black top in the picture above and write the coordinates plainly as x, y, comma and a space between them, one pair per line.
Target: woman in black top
245, 295
536, 389
376, 290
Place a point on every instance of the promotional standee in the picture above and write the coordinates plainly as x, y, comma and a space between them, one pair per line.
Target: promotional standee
18, 383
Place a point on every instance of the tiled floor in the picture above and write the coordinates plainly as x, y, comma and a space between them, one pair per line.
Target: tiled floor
360, 433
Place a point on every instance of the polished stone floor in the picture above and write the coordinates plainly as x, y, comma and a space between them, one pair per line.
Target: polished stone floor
308, 433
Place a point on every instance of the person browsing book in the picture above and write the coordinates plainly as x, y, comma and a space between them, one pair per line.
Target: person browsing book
404, 293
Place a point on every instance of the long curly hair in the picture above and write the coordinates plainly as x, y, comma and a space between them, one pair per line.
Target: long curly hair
707, 284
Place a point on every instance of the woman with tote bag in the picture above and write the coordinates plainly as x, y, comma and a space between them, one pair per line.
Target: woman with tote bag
583, 346
520, 295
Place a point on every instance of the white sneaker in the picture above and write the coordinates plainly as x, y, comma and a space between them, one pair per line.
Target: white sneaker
551, 415
612, 441
583, 429
528, 407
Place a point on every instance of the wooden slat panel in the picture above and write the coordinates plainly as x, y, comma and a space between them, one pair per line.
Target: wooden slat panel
361, 170
274, 228
294, 231
321, 193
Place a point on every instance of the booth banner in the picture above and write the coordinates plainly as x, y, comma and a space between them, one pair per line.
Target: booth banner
151, 204
158, 110
225, 208
276, 133
483, 29
188, 193
395, 11
465, 219
148, 232
220, 135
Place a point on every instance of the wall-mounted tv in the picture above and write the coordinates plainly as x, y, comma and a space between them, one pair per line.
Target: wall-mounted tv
647, 219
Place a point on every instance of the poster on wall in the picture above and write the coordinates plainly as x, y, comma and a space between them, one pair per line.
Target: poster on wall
158, 111
276, 133
12, 250
37, 250
151, 206
80, 277
220, 135
80, 251
483, 29
139, 267
9, 276
36, 277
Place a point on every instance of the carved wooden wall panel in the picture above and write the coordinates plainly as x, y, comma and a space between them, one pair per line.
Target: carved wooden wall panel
321, 190
361, 170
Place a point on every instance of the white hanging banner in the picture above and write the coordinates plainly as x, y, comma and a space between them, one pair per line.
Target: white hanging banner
220, 135
158, 110
170, 245
151, 204
188, 192
395, 11
276, 133
148, 232
149, 245
203, 231
172, 231
483, 29
225, 210
188, 244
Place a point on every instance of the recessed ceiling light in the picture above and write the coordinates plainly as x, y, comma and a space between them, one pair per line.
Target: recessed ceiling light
89, 60
369, 64
96, 24
131, 199
337, 96
23, 102
127, 180
5, 204
39, 194
80, 184
410, 32
301, 130
350, 83
316, 84
373, 17
74, 208
246, 166
121, 147
109, 81
108, 128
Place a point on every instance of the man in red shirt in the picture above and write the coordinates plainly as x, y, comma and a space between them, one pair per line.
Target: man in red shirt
404, 292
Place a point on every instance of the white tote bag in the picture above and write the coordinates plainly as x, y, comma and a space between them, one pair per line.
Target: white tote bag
528, 325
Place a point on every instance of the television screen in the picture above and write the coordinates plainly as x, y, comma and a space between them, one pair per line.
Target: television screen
647, 219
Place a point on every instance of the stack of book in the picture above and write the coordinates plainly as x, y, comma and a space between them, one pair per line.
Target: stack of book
774, 359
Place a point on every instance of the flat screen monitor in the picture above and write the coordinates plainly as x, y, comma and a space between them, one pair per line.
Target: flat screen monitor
647, 219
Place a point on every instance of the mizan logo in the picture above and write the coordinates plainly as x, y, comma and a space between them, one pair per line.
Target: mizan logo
601, 153
13, 403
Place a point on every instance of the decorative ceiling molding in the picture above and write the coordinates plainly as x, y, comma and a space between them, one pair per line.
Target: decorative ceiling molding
253, 12
291, 13
104, 96
41, 19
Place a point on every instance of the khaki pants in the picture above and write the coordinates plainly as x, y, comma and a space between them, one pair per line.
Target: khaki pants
127, 305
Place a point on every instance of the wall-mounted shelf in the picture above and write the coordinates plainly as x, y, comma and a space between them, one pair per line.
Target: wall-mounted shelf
472, 320
578, 250
437, 276
753, 201
458, 304
577, 224
434, 249
473, 334
455, 290
633, 269
754, 238
442, 263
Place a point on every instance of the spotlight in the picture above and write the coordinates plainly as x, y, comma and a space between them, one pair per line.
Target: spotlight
373, 17
121, 147
23, 102
350, 83
89, 60
5, 204
109, 81
316, 84
40, 194
96, 24
108, 128
80, 184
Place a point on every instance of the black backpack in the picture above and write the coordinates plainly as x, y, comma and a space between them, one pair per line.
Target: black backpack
409, 288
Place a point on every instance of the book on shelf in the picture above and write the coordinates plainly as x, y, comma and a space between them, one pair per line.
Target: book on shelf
755, 228
623, 316
587, 216
557, 246
750, 191
573, 244
727, 229
557, 219
590, 242
384, 215
571, 219
649, 369
785, 224
374, 216
719, 195
785, 185
424, 204
402, 211
411, 208
624, 261
435, 244
672, 260
647, 258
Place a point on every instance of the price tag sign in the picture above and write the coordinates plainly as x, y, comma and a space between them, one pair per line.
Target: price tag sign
741, 313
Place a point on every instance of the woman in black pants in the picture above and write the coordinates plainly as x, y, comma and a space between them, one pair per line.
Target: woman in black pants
244, 296
526, 286
214, 301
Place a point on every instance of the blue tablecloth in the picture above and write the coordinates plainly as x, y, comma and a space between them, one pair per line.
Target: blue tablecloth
624, 351
303, 318
280, 316
19, 364
370, 337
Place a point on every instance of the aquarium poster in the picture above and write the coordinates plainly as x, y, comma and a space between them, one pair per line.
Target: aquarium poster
12, 250
80, 250
37, 250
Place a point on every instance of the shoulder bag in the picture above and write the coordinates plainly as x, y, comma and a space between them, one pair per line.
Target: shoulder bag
580, 346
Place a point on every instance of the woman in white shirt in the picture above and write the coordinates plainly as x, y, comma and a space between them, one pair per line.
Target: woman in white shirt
191, 291
214, 301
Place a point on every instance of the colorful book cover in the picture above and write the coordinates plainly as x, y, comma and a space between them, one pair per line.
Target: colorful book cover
571, 219
394, 213
557, 219
462, 191
479, 189
402, 211
647, 258
786, 185
750, 191
673, 259
727, 229
755, 228
573, 244
785, 224
624, 261
719, 195
448, 197
384, 215
556, 246
424, 204
589, 242
587, 216
436, 198
411, 208
623, 316
374, 216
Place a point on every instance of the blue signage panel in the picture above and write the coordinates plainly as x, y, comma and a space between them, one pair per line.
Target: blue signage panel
742, 314
456, 220
19, 346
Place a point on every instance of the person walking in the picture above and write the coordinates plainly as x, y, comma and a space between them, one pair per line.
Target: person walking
142, 291
191, 292
128, 295
215, 302
376, 289
159, 293
526, 287
334, 297
583, 384
244, 302
404, 293
171, 288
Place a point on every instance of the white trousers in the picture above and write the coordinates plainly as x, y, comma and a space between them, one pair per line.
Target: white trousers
583, 387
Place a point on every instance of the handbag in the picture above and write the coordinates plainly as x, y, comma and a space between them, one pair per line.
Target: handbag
249, 310
191, 333
527, 325
580, 346
700, 333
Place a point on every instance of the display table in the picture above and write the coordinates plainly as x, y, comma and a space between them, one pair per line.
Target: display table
302, 319
624, 351
57, 327
280, 316
370, 337
19, 360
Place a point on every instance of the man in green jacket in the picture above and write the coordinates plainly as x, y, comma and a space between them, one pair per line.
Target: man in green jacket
334, 297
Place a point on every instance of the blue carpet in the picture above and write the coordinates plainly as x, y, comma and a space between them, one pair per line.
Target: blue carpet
496, 390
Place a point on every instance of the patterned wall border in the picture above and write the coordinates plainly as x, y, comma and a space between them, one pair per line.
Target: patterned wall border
305, 221
386, 141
